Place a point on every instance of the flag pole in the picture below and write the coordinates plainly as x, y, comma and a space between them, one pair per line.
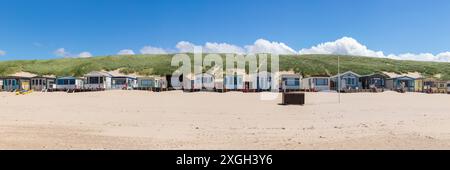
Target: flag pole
339, 80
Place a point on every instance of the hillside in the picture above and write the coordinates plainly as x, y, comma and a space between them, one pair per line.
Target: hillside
160, 65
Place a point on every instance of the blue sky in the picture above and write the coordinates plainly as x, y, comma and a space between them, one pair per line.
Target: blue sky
36, 29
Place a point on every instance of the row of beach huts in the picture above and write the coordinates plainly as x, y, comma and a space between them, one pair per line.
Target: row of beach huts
345, 82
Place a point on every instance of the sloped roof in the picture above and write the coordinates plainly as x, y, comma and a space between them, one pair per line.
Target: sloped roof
98, 74
347, 72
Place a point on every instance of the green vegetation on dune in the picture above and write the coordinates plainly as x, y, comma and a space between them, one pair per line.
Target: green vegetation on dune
160, 65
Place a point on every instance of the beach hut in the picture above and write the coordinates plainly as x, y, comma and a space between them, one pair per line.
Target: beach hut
160, 84
264, 81
98, 80
218, 84
448, 87
401, 83
208, 81
345, 81
290, 82
373, 81
1, 84
316, 83
234, 80
16, 83
192, 82
431, 85
123, 82
43, 83
69, 83
418, 84
145, 83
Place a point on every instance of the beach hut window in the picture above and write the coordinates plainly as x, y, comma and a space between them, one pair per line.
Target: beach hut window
93, 80
321, 82
292, 82
350, 81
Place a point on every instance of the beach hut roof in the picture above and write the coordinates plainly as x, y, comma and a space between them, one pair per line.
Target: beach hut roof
403, 77
373, 74
414, 75
23, 74
48, 77
98, 74
69, 77
347, 72
117, 73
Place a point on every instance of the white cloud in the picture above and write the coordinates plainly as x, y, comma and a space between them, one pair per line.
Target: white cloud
260, 46
186, 47
126, 52
2, 53
61, 52
85, 54
152, 50
349, 46
264, 46
344, 46
222, 48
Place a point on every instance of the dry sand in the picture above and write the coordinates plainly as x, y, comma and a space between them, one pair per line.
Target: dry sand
176, 120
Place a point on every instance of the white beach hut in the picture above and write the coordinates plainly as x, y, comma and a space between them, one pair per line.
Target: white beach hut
98, 80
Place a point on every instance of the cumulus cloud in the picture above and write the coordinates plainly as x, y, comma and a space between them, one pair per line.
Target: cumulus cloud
222, 48
126, 52
344, 46
2, 53
61, 52
85, 54
186, 47
259, 46
152, 50
265, 46
350, 46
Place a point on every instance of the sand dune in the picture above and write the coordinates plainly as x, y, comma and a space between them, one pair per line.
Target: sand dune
176, 120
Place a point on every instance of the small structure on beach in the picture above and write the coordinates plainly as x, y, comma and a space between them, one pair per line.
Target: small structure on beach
373, 81
234, 80
98, 80
192, 82
123, 82
290, 82
431, 85
43, 83
145, 83
69, 83
316, 83
17, 81
345, 81
153, 83
418, 84
401, 84
264, 81
160, 84
448, 87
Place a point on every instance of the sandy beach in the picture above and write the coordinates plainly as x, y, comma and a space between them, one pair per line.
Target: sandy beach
206, 120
